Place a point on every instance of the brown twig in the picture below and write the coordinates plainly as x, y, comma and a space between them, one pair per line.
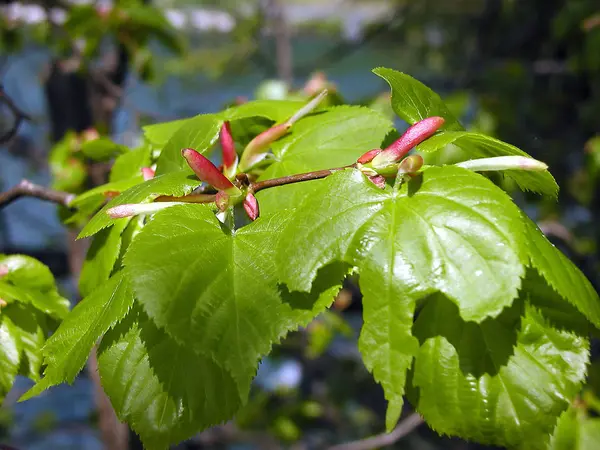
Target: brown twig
28, 189
316, 175
403, 428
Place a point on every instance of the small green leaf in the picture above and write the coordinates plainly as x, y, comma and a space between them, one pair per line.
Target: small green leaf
330, 139
215, 290
102, 149
481, 146
67, 350
28, 272
199, 133
163, 390
176, 183
561, 274
501, 382
129, 164
101, 257
413, 101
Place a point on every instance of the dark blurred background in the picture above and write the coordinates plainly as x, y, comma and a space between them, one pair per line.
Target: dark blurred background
525, 71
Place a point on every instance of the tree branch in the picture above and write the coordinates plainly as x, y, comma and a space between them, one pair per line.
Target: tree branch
316, 175
403, 428
28, 189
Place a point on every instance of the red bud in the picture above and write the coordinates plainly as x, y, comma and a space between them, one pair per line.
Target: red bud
147, 173
227, 146
257, 148
222, 200
206, 170
368, 157
378, 181
251, 206
416, 134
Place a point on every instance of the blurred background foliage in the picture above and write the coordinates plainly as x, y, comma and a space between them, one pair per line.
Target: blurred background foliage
526, 71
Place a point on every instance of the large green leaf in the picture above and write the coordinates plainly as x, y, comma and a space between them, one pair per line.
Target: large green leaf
413, 101
176, 183
67, 350
163, 390
101, 258
331, 139
199, 133
479, 145
451, 231
160, 133
561, 274
216, 291
501, 382
575, 431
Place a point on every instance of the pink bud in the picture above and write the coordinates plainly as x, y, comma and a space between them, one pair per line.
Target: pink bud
147, 173
416, 134
368, 157
3, 270
222, 200
206, 170
257, 148
251, 206
133, 209
228, 148
378, 181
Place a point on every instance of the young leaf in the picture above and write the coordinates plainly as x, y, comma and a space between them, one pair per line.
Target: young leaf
176, 183
481, 146
575, 431
102, 149
216, 291
101, 257
413, 101
501, 382
129, 164
561, 274
199, 133
67, 350
164, 390
331, 139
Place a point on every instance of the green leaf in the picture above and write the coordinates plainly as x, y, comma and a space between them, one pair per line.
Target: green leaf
561, 274
176, 183
160, 133
216, 291
102, 149
101, 257
501, 382
129, 164
67, 350
575, 431
331, 139
413, 101
481, 146
436, 234
163, 390
9, 355
276, 110
199, 133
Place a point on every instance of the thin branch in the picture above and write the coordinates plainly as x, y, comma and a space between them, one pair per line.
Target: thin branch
403, 428
28, 189
316, 175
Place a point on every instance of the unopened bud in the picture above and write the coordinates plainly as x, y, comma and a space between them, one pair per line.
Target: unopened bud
229, 154
378, 181
134, 209
416, 134
307, 109
251, 206
368, 157
222, 200
503, 163
3, 270
206, 171
148, 173
411, 164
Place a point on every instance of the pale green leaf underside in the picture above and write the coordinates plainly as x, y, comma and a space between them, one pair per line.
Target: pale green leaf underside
67, 350
502, 382
479, 145
561, 274
163, 390
176, 183
217, 291
325, 140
